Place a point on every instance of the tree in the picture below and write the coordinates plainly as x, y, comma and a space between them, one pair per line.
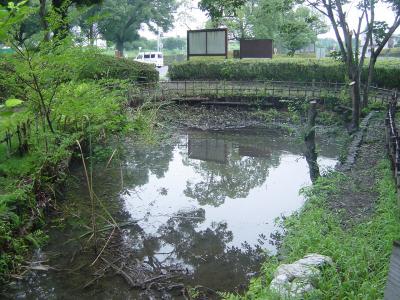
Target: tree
352, 49
381, 34
300, 28
221, 8
240, 24
61, 9
290, 26
88, 22
25, 29
173, 43
125, 17
268, 19
354, 53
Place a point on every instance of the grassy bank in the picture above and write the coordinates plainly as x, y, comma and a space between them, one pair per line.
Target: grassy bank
48, 102
361, 251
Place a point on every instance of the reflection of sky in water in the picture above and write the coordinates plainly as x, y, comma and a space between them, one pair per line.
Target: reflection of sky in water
240, 181
275, 191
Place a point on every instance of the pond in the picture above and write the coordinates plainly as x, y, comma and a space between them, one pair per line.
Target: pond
203, 207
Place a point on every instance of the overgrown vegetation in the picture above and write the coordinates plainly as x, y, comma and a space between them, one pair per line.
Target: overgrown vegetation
361, 252
53, 95
387, 72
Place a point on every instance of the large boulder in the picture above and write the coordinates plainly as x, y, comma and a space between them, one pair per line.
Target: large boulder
296, 279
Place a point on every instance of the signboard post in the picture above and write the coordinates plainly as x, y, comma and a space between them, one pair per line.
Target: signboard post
207, 42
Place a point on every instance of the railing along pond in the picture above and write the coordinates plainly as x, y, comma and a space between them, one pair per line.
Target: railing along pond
392, 289
393, 139
212, 90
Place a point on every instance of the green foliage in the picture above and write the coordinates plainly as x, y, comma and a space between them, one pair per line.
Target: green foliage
289, 25
10, 16
124, 18
59, 89
99, 66
387, 72
361, 253
9, 87
301, 28
284, 69
10, 103
90, 106
219, 8
173, 43
391, 52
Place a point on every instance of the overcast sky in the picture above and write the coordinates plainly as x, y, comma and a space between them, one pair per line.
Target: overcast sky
191, 17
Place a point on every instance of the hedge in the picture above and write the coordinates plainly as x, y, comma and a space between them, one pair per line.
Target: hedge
387, 72
94, 65
101, 66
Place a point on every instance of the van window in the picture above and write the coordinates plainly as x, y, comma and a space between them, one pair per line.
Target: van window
159, 55
140, 56
153, 56
147, 56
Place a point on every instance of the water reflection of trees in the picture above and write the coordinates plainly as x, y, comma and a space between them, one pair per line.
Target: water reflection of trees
142, 161
206, 251
244, 166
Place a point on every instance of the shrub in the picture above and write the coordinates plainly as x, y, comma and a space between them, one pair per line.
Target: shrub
9, 88
387, 73
100, 66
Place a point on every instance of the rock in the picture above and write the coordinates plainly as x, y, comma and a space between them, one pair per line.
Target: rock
294, 289
294, 280
296, 270
316, 260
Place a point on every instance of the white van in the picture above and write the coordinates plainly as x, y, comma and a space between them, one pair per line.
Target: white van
156, 58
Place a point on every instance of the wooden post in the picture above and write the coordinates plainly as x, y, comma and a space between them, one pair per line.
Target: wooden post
309, 139
273, 89
185, 88
224, 88
313, 88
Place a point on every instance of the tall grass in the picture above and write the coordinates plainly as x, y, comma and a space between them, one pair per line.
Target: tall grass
361, 253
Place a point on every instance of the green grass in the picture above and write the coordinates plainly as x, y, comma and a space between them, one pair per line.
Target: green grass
361, 253
392, 52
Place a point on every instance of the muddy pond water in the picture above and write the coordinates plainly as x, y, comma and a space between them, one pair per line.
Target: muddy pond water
203, 203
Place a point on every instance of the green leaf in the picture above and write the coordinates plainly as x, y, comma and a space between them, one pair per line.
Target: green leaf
13, 102
6, 113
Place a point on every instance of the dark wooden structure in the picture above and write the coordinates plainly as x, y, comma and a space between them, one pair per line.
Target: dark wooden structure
392, 290
206, 51
256, 48
393, 141
240, 92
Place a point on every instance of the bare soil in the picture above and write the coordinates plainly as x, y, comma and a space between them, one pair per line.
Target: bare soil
358, 196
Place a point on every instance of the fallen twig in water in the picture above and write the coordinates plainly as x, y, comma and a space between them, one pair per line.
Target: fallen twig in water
121, 272
104, 247
110, 227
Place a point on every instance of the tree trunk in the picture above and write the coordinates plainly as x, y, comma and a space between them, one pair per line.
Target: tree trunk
43, 21
120, 47
370, 77
356, 100
91, 34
